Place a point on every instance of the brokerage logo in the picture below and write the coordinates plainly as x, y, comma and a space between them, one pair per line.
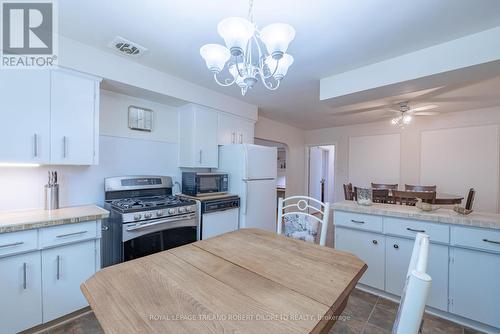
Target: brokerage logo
29, 34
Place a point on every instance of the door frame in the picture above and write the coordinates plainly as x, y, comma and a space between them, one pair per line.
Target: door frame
307, 165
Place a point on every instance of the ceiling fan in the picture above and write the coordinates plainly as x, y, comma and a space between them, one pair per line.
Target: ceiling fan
406, 114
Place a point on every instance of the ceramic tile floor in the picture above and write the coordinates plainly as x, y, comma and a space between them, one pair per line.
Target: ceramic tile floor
366, 314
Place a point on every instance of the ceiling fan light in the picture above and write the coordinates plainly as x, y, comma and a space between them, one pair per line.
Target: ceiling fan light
283, 65
394, 121
236, 31
407, 119
277, 37
215, 56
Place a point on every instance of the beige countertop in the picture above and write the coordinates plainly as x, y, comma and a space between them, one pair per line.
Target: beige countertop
445, 216
29, 219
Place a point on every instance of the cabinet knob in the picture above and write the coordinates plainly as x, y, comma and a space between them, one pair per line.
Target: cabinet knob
375, 242
396, 246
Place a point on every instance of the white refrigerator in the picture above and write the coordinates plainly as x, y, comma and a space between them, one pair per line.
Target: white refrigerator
252, 175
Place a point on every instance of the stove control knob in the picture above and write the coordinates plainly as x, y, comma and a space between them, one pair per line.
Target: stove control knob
147, 215
182, 209
159, 213
137, 216
171, 211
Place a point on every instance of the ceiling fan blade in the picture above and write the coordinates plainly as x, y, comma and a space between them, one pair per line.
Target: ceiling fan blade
426, 107
425, 113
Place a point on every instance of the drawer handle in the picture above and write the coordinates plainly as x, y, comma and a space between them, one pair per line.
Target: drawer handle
357, 221
412, 230
492, 241
12, 244
104, 228
396, 246
70, 234
375, 242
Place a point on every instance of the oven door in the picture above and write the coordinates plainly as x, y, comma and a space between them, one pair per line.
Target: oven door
153, 236
211, 183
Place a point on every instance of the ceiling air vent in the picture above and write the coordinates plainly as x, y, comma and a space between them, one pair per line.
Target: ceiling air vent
126, 47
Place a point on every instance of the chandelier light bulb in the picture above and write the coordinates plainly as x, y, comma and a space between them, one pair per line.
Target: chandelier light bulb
236, 31
215, 56
277, 37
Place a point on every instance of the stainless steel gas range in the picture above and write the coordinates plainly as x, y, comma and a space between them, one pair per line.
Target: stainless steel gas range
145, 218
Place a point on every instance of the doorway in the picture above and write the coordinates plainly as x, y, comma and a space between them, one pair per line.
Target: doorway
321, 173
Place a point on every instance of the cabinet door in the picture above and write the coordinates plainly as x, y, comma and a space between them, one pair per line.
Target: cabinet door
64, 269
398, 254
474, 285
21, 292
246, 132
73, 122
25, 116
206, 149
370, 248
227, 133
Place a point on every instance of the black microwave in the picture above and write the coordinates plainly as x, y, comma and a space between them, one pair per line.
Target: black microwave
202, 184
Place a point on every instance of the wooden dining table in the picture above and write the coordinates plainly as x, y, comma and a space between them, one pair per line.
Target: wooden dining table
246, 281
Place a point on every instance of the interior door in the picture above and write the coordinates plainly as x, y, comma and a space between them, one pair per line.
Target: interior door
25, 116
315, 172
259, 205
72, 119
64, 269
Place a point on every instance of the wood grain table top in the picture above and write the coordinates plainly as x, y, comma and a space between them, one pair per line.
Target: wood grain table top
247, 281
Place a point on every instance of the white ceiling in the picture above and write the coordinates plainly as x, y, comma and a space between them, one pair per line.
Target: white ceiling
333, 36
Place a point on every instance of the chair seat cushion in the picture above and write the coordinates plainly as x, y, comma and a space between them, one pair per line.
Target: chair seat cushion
300, 227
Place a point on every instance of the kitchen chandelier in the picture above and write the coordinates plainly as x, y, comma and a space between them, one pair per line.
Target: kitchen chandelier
245, 57
404, 117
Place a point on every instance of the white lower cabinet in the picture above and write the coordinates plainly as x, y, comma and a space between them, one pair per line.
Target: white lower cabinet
20, 292
397, 258
41, 271
474, 285
64, 268
369, 247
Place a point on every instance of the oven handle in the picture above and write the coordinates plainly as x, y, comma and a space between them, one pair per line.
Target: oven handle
161, 221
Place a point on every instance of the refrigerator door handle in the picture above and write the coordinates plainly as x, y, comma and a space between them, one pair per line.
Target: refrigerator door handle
245, 202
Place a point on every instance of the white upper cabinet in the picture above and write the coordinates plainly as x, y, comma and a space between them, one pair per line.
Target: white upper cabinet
25, 116
49, 117
234, 130
198, 137
74, 119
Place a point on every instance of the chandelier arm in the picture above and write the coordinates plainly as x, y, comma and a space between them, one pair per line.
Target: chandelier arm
227, 82
240, 73
275, 69
269, 85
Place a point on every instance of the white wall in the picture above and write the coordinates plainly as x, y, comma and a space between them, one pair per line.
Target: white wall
268, 129
122, 152
410, 143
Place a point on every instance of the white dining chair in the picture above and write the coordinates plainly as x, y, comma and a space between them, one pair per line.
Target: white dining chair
418, 283
299, 214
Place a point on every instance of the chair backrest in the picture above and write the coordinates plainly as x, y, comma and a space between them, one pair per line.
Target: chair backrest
470, 199
307, 208
410, 197
348, 192
410, 187
416, 289
380, 195
385, 186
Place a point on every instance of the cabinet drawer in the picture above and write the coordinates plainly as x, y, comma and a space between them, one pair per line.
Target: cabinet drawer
478, 238
409, 228
63, 234
358, 221
17, 242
